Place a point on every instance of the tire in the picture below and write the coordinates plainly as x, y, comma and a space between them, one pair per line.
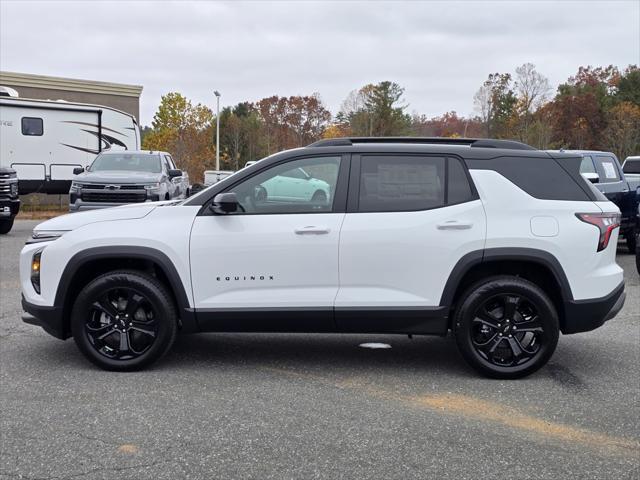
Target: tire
638, 253
6, 225
319, 197
196, 188
150, 321
489, 344
632, 241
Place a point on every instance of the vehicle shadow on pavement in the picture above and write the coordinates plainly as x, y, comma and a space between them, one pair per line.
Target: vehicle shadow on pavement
319, 351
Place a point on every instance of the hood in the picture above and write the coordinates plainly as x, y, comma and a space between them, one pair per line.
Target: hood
72, 221
118, 177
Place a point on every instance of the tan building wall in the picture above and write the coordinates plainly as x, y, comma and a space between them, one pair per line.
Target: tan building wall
116, 95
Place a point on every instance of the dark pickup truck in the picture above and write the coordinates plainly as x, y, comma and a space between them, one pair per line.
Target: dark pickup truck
9, 200
604, 171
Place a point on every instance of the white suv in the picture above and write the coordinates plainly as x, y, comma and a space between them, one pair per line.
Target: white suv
504, 245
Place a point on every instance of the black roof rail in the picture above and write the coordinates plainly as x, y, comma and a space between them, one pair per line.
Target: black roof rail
471, 142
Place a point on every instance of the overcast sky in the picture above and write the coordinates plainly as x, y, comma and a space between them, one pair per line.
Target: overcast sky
440, 52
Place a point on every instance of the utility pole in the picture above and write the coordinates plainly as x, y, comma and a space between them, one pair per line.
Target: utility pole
217, 94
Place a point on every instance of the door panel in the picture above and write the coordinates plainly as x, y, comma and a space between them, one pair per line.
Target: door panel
403, 259
248, 261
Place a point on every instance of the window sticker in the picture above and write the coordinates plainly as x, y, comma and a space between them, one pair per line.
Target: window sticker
609, 170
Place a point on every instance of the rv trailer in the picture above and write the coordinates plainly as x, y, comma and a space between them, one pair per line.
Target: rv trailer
44, 140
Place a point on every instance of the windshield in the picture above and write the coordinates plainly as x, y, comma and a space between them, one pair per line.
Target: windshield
132, 162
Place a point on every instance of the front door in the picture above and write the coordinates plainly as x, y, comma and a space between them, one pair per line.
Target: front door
273, 265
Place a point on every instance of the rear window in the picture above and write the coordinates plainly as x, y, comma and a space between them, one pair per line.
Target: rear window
607, 169
631, 166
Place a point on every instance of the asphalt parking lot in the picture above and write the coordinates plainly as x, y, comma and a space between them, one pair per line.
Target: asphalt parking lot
300, 406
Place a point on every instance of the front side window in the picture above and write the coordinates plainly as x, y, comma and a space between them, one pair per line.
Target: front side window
607, 169
401, 183
32, 126
300, 186
131, 162
170, 163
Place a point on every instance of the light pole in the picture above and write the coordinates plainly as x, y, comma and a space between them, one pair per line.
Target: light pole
217, 94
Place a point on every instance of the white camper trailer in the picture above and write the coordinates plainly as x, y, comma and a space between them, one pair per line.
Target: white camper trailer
44, 140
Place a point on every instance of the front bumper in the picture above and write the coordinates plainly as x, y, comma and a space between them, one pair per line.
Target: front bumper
587, 315
49, 318
9, 207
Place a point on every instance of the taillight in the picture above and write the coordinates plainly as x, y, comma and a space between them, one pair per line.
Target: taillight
606, 223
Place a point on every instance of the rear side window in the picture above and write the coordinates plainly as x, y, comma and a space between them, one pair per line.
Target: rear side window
607, 169
401, 183
631, 166
32, 126
459, 189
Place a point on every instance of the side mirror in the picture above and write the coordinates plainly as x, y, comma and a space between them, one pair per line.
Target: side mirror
592, 177
78, 170
173, 173
224, 203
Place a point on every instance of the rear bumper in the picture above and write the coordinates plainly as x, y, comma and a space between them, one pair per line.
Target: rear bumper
49, 318
587, 315
9, 207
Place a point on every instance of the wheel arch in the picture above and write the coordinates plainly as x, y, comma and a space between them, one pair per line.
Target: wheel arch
538, 266
88, 264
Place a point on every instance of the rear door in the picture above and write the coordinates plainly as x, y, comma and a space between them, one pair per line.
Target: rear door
410, 218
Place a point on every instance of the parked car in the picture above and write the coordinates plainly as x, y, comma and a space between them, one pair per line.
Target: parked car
214, 176
631, 168
294, 185
603, 170
417, 236
117, 178
9, 200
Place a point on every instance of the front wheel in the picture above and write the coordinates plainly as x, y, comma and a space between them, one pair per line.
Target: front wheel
506, 327
6, 224
124, 320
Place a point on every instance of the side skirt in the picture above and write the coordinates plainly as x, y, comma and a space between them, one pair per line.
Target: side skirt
411, 320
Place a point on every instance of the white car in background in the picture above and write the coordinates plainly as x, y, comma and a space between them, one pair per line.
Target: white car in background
294, 185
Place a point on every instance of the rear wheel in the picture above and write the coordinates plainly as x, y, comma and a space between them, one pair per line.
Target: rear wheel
638, 253
632, 240
124, 320
6, 224
506, 327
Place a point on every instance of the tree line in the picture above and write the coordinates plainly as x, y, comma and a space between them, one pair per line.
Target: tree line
598, 109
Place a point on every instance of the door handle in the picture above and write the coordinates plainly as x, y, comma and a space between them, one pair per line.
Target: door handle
454, 225
312, 230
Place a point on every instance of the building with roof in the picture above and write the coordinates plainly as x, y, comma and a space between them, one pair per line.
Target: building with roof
116, 95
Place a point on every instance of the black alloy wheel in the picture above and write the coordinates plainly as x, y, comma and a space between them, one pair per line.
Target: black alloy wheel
507, 330
124, 320
506, 327
121, 324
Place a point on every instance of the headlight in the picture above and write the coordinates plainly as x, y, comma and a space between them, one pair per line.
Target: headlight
76, 187
152, 186
35, 271
14, 189
45, 235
